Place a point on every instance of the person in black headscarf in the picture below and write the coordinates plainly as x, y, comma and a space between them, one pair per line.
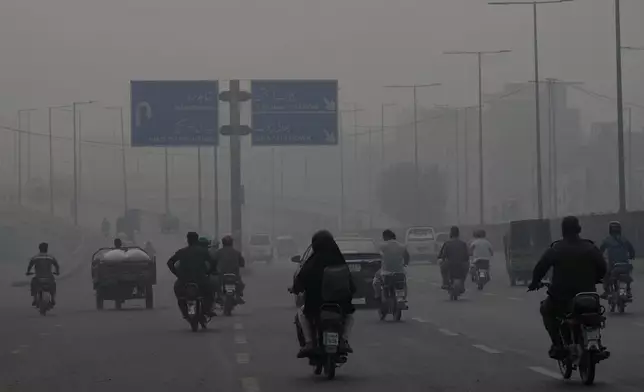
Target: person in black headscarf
309, 281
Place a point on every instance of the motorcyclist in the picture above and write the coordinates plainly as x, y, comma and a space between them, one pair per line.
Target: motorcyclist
618, 250
118, 243
42, 263
149, 248
105, 227
195, 266
229, 261
309, 281
204, 242
481, 251
455, 258
577, 267
395, 258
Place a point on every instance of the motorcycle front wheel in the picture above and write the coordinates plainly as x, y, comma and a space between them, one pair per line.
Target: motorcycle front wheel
329, 369
565, 367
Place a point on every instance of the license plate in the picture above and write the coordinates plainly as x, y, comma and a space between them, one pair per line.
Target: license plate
593, 334
622, 291
400, 293
482, 274
359, 301
192, 309
230, 287
355, 267
330, 338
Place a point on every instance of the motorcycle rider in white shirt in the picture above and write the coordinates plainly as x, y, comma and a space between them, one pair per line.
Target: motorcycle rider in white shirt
481, 252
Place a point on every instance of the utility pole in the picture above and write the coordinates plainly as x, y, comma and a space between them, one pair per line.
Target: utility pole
273, 192
620, 110
341, 139
76, 140
537, 92
479, 55
457, 159
235, 130
369, 179
414, 88
51, 164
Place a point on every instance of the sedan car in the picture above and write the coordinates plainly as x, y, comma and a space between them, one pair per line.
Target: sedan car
364, 260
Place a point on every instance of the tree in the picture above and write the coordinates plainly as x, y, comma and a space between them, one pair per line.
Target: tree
395, 191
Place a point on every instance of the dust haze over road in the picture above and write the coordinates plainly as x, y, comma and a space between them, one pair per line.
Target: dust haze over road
415, 146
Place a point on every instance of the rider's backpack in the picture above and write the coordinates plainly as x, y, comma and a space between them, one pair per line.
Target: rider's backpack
336, 283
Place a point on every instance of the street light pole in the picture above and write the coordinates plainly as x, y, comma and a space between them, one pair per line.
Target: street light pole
76, 151
123, 162
414, 88
20, 132
620, 114
479, 56
534, 5
382, 132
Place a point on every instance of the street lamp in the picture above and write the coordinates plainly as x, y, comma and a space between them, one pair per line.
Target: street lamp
382, 131
630, 118
28, 131
355, 111
123, 163
479, 55
51, 154
75, 139
414, 88
534, 5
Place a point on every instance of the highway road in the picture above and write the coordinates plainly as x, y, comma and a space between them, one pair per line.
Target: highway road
488, 341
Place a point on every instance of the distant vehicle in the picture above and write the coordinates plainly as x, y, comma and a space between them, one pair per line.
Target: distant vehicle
421, 244
364, 260
524, 244
260, 248
123, 274
285, 247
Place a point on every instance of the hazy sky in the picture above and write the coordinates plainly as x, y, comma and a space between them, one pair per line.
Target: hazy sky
56, 51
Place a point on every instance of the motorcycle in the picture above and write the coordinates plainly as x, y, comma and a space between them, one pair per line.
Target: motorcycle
196, 312
393, 296
481, 273
580, 330
456, 288
229, 293
619, 296
329, 330
44, 295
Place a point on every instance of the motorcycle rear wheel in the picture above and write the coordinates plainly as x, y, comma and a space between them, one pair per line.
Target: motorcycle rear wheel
329, 370
587, 368
398, 315
194, 324
318, 369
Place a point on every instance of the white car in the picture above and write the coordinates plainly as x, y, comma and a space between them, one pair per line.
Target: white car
260, 248
421, 244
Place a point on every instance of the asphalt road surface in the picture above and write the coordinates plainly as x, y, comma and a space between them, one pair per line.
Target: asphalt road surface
488, 341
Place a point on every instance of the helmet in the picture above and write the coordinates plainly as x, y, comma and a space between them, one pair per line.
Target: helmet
388, 235
615, 227
204, 241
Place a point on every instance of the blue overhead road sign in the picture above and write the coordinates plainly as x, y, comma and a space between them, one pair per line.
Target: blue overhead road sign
174, 113
294, 112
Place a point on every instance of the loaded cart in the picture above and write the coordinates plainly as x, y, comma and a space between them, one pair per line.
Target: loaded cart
123, 274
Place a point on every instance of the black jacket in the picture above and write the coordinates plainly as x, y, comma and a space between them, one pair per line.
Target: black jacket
577, 266
195, 263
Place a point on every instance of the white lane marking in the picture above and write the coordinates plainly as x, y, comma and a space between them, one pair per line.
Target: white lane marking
486, 349
58, 325
44, 334
420, 320
15, 352
447, 332
238, 326
545, 372
250, 384
515, 299
435, 284
240, 339
243, 358
489, 294
24, 346
639, 324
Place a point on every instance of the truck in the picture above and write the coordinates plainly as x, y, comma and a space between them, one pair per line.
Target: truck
123, 274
